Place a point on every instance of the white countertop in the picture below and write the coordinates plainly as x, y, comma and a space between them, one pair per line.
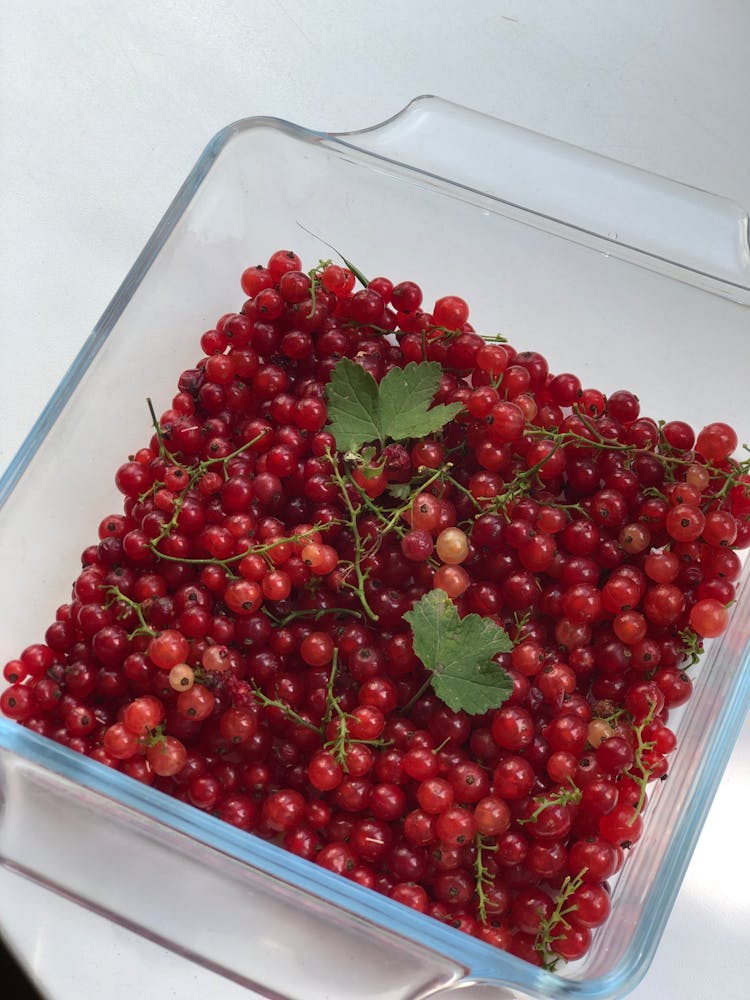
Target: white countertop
105, 107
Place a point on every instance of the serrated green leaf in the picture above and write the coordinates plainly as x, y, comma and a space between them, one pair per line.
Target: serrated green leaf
353, 406
458, 652
405, 395
398, 408
401, 491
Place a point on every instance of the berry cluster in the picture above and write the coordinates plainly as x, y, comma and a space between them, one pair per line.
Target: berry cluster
240, 636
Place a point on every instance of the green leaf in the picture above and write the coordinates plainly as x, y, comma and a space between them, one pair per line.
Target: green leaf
405, 395
353, 406
401, 491
398, 408
458, 652
355, 270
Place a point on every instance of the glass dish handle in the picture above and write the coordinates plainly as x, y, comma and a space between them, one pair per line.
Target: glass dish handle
697, 237
199, 901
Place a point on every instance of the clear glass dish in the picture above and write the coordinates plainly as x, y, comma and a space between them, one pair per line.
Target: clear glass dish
623, 277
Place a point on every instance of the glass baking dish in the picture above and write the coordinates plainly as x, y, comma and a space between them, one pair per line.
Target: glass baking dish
626, 278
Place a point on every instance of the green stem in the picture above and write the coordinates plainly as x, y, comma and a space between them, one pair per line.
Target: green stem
287, 710
482, 877
314, 613
692, 646
462, 489
639, 772
194, 474
562, 797
157, 428
545, 937
608, 444
330, 697
589, 425
415, 698
144, 628
314, 276
391, 522
519, 624
355, 271
259, 550
358, 554
338, 745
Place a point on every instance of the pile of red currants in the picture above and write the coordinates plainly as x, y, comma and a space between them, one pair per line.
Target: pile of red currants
236, 635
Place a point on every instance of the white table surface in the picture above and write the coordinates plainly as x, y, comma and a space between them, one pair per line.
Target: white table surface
105, 106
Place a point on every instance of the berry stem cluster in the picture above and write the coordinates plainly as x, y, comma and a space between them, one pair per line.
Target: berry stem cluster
550, 928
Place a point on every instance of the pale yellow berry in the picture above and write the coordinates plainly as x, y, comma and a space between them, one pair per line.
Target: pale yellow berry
599, 730
528, 404
697, 476
181, 677
452, 546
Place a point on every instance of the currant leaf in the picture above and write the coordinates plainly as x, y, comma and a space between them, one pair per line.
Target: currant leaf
353, 406
401, 491
361, 411
405, 395
458, 652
